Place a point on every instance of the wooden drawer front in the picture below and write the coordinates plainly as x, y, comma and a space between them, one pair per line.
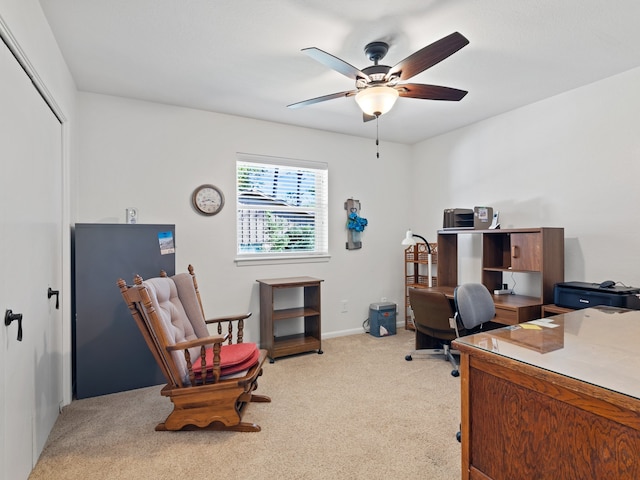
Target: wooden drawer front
574, 434
526, 251
506, 316
551, 310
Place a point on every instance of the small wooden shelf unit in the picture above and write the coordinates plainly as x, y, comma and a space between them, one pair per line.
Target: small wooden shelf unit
306, 341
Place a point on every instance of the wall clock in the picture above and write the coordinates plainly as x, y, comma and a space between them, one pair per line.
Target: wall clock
207, 199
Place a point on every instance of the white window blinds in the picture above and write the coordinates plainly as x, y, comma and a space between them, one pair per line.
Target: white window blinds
282, 207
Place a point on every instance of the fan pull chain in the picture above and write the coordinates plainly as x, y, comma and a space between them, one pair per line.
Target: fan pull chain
377, 138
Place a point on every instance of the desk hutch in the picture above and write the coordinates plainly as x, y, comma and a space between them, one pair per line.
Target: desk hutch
538, 251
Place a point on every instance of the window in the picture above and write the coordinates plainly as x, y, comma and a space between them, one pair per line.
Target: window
282, 207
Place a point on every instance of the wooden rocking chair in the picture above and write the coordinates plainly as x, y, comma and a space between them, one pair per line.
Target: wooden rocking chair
212, 392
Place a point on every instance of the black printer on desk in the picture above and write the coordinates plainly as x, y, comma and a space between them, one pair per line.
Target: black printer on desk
582, 295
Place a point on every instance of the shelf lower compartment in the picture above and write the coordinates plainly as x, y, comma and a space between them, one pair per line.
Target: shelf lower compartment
294, 313
292, 344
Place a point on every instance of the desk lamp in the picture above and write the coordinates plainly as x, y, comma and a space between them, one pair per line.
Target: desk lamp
408, 240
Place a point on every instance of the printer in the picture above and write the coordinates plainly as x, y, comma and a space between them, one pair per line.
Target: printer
582, 295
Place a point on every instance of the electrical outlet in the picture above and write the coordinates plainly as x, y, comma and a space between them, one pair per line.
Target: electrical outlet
344, 306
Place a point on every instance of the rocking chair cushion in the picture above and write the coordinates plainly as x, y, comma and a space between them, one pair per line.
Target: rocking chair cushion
174, 321
245, 364
191, 304
233, 359
236, 353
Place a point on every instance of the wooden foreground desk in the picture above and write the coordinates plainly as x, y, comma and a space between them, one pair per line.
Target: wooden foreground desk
556, 398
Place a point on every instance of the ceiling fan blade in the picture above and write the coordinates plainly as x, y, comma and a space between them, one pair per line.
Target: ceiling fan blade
335, 63
428, 56
311, 101
430, 92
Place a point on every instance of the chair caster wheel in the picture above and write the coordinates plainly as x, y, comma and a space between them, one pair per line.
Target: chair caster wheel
459, 437
272, 360
408, 358
455, 373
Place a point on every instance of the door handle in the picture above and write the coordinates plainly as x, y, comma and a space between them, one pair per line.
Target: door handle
51, 293
9, 317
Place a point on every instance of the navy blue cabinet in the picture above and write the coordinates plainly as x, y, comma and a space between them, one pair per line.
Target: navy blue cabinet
109, 352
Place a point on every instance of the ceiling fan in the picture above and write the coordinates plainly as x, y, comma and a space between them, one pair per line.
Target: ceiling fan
378, 87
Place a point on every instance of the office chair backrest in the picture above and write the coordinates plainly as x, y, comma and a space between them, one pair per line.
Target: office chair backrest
431, 312
474, 305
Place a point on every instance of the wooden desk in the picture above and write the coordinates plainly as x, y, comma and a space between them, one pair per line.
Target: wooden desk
552, 309
510, 309
553, 402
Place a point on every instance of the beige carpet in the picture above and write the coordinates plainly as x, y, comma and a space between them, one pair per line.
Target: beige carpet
357, 411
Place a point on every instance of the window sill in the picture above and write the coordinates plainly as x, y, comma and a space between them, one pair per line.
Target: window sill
281, 260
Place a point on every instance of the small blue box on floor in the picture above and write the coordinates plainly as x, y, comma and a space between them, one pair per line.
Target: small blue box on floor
382, 319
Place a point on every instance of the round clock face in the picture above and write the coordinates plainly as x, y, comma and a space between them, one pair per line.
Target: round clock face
207, 199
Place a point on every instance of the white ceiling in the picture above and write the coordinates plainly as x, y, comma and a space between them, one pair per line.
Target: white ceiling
242, 57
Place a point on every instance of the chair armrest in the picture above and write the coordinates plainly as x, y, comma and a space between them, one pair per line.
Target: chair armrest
198, 342
230, 325
199, 365
230, 318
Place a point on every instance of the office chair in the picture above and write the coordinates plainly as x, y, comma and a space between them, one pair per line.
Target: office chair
433, 319
474, 308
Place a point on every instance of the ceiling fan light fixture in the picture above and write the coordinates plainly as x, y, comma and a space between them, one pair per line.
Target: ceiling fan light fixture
376, 101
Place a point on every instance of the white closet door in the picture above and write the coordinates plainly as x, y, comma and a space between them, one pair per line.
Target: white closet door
30, 263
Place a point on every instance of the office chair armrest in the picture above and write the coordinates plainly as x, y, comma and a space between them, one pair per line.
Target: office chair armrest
454, 324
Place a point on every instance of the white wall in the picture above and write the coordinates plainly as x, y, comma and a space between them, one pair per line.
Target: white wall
151, 156
570, 161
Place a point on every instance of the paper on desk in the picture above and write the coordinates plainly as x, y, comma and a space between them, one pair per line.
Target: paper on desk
545, 322
529, 326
